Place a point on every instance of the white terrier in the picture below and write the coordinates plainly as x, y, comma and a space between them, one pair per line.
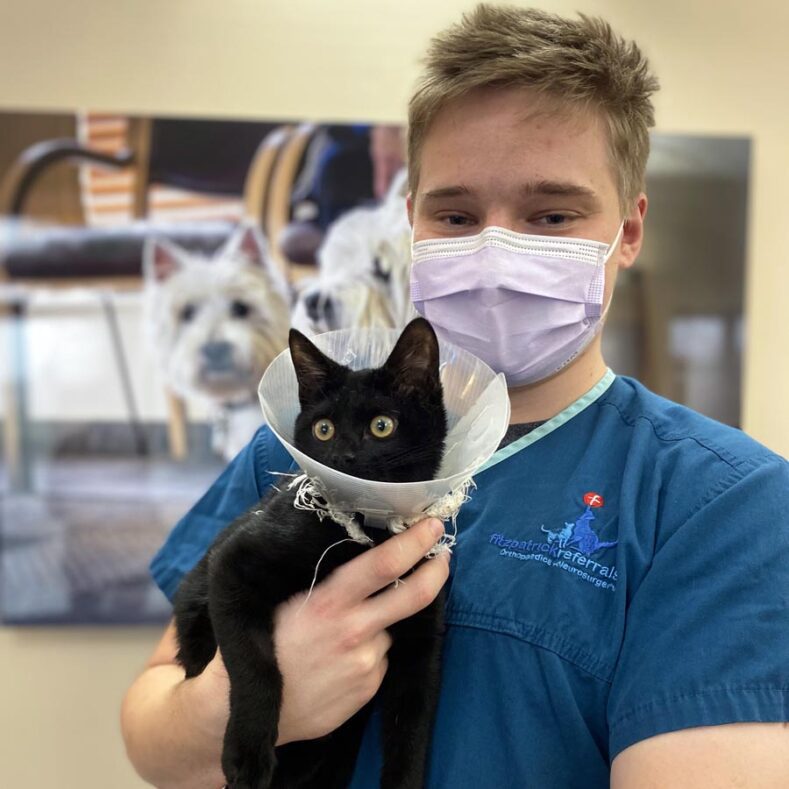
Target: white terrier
364, 268
216, 324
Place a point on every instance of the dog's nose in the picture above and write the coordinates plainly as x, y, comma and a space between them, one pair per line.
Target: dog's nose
318, 306
218, 353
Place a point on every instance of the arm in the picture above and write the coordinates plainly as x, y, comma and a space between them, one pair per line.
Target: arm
705, 653
746, 755
173, 727
331, 651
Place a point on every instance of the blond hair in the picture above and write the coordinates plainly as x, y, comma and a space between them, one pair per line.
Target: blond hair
577, 61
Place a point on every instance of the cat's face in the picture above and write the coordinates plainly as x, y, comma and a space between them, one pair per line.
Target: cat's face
386, 424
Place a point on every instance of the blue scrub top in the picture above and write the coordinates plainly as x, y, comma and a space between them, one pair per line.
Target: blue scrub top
620, 572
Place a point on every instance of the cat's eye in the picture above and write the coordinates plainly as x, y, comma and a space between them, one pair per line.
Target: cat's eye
323, 429
382, 426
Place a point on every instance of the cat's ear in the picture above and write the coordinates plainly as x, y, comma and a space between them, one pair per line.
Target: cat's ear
414, 360
314, 370
162, 259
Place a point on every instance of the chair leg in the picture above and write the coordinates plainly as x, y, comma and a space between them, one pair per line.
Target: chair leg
176, 426
16, 449
140, 440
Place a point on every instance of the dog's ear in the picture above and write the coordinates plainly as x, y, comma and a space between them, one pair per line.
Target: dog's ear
162, 259
247, 242
314, 370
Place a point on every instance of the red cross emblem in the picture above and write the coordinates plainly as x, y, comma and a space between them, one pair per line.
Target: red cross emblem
593, 499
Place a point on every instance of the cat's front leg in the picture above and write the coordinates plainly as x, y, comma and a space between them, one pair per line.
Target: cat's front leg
242, 614
248, 756
409, 696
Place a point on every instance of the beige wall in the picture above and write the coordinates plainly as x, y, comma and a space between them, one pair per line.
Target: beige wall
61, 691
723, 66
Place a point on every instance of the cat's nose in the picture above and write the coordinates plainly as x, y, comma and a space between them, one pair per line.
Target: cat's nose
348, 457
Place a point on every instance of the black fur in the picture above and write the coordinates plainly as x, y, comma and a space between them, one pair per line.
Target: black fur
260, 560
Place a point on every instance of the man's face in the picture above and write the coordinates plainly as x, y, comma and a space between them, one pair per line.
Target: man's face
507, 157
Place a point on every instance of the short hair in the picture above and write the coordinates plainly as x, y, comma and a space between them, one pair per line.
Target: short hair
578, 61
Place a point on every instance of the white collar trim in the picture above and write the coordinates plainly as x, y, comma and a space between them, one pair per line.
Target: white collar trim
583, 402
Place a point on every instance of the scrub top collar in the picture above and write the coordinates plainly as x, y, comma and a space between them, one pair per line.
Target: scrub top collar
583, 402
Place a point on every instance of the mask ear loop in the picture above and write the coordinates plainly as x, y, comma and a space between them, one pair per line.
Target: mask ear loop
608, 254
615, 242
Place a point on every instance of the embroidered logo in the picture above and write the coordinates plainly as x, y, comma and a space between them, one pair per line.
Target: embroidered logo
570, 548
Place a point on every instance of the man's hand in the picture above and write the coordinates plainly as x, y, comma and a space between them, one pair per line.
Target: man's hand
332, 649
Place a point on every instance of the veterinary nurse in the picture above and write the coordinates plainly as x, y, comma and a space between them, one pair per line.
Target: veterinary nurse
617, 604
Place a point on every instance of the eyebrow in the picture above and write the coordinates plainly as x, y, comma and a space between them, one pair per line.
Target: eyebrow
560, 188
447, 191
554, 188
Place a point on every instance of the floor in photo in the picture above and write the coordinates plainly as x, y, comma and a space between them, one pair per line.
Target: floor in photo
76, 548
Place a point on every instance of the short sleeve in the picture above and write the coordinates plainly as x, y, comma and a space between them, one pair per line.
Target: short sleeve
243, 483
707, 631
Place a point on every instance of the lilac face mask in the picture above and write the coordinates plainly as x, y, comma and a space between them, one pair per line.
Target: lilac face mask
526, 305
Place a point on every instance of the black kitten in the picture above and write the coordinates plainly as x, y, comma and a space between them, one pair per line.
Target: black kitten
386, 424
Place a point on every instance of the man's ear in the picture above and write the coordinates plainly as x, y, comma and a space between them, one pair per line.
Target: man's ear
314, 370
161, 259
409, 205
414, 360
633, 233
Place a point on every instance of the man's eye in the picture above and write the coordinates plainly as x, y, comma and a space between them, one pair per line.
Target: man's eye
553, 219
456, 220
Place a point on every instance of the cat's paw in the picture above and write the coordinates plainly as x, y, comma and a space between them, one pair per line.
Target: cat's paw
248, 776
247, 767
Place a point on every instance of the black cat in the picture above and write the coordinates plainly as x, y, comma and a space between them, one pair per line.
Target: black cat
386, 424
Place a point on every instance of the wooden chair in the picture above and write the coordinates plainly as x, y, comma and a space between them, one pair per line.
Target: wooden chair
15, 188
277, 211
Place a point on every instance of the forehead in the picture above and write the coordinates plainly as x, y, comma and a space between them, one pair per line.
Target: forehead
219, 279
355, 395
501, 138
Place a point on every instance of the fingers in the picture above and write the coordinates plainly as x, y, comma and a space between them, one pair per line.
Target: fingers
416, 593
373, 664
373, 570
379, 646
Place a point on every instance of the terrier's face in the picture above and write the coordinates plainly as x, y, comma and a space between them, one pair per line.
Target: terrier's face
363, 270
216, 323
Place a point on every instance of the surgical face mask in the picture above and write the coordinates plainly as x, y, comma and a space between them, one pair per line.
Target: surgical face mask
526, 305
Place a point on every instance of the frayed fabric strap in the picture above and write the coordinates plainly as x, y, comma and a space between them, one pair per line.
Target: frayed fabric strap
311, 496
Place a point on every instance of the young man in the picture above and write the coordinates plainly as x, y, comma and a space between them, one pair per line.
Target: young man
618, 610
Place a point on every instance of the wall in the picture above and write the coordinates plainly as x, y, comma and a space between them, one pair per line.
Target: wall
723, 67
61, 692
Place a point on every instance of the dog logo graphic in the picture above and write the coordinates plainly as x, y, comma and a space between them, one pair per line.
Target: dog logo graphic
560, 536
579, 535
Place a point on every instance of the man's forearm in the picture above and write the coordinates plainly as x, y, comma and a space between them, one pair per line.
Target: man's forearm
170, 736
